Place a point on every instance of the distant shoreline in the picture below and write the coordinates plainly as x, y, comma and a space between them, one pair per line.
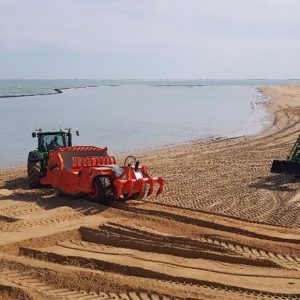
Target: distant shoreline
15, 88
54, 92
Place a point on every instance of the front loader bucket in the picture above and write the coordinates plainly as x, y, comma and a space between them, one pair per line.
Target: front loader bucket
285, 167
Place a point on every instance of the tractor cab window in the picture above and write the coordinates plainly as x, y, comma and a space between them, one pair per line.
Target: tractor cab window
52, 142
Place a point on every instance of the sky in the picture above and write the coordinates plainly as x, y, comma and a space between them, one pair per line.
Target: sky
149, 39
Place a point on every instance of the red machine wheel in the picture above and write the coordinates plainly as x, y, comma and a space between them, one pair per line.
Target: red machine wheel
102, 191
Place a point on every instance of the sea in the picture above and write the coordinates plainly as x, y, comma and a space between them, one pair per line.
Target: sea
129, 115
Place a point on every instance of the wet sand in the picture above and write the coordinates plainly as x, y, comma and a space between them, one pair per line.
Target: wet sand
226, 228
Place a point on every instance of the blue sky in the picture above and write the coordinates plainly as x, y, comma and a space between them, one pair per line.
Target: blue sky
149, 39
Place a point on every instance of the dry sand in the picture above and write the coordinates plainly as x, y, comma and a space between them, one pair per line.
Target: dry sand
226, 228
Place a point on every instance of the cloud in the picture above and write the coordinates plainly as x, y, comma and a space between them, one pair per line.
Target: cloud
196, 35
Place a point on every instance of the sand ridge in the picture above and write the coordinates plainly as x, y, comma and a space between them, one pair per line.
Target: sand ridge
226, 228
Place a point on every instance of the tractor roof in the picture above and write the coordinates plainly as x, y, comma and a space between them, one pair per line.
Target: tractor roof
40, 132
52, 131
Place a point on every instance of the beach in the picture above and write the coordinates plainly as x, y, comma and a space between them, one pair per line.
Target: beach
225, 227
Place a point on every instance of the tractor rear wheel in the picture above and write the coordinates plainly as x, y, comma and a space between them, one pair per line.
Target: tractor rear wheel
102, 190
34, 174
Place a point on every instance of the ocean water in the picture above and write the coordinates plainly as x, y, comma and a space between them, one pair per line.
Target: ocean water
27, 87
128, 115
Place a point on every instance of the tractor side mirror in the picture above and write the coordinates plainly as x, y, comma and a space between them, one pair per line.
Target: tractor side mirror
33, 134
77, 132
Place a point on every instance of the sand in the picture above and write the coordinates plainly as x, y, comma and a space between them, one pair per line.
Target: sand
225, 228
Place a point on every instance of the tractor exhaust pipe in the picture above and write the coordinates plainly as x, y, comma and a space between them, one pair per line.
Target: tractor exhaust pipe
136, 167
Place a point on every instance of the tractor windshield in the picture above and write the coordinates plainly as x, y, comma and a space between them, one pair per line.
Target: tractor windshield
52, 141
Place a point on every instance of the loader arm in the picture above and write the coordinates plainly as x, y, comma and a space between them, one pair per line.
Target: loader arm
294, 154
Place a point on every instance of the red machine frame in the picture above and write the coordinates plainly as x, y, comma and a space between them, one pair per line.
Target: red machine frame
73, 170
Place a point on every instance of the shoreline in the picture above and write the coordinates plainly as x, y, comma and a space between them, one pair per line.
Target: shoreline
281, 98
258, 105
55, 92
271, 105
247, 177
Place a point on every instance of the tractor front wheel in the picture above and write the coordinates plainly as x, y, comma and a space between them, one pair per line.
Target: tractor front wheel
34, 174
102, 191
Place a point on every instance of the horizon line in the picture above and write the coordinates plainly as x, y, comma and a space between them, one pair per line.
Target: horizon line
150, 79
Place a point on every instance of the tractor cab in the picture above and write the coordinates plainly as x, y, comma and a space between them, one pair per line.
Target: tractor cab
53, 139
47, 141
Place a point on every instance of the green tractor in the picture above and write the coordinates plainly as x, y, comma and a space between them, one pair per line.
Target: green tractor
38, 159
292, 164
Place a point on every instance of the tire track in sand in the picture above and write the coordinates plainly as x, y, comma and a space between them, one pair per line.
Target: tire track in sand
25, 281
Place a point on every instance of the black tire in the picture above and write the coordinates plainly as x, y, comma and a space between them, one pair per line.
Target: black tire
102, 190
34, 174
